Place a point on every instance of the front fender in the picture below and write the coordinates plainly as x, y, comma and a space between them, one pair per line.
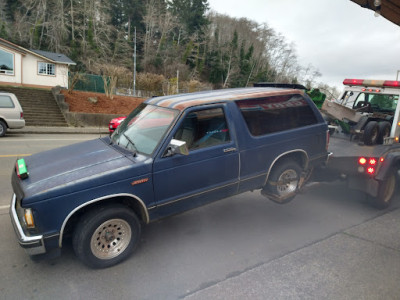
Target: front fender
136, 200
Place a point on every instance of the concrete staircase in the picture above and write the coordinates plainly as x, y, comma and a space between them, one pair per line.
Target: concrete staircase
39, 106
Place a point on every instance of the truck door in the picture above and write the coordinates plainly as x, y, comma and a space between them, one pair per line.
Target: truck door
210, 171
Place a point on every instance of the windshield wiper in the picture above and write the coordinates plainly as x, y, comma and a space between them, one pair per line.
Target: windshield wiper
131, 142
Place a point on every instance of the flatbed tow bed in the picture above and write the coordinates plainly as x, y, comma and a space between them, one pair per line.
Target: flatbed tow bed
373, 170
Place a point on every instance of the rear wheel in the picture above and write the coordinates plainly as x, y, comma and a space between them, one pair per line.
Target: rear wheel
386, 192
284, 180
3, 128
383, 131
106, 236
371, 132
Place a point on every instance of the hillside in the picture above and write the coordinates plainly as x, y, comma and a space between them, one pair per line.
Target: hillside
78, 102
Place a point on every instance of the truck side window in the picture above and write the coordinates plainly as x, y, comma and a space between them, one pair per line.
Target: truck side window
203, 128
276, 113
361, 101
6, 102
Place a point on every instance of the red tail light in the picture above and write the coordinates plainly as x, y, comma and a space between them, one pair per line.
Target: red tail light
327, 139
369, 164
21, 115
370, 170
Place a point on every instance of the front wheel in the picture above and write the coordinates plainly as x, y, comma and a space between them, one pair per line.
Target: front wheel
284, 181
106, 236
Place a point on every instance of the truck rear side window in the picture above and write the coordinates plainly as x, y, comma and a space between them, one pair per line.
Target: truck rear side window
276, 113
6, 102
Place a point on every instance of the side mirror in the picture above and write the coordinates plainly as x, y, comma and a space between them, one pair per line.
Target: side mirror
177, 147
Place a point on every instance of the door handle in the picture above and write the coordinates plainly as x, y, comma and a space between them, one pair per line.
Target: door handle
226, 150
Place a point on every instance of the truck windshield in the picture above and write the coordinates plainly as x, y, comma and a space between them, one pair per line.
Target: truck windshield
144, 128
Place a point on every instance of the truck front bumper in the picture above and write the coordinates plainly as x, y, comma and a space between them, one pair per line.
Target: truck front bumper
33, 245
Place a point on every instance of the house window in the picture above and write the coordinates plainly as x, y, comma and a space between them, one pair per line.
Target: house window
46, 68
6, 62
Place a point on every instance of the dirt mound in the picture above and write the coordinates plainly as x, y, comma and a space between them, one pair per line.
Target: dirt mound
80, 102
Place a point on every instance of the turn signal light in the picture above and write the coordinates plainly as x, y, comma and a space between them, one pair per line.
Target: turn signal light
29, 218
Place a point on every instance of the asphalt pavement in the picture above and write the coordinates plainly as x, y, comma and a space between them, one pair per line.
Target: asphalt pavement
362, 262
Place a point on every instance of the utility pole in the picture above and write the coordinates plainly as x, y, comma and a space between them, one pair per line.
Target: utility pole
177, 81
134, 66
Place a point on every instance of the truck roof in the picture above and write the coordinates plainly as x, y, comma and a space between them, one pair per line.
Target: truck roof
183, 101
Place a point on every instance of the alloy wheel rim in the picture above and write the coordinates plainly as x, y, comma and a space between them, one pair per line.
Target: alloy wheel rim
287, 182
111, 238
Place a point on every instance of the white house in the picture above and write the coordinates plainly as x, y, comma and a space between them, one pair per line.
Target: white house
33, 68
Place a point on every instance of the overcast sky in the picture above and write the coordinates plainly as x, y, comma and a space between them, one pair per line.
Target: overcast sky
338, 37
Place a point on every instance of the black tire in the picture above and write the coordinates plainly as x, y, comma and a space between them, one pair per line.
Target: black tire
383, 131
386, 191
371, 132
3, 128
284, 180
107, 235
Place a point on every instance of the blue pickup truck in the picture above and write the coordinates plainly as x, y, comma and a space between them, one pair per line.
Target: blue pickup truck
170, 154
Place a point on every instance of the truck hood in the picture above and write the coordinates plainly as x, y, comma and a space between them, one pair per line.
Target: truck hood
73, 168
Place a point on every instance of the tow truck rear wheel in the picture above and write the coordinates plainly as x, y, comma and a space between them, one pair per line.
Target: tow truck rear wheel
371, 132
383, 131
106, 235
386, 192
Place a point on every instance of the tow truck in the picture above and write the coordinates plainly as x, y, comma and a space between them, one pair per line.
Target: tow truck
367, 110
369, 160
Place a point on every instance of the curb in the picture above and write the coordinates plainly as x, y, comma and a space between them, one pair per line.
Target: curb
59, 130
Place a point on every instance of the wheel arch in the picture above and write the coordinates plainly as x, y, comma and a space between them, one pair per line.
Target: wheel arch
129, 200
298, 155
392, 163
4, 120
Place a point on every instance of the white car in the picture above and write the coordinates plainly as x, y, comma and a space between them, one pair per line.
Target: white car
11, 114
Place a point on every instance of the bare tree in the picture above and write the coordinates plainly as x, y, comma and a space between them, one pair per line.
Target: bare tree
110, 74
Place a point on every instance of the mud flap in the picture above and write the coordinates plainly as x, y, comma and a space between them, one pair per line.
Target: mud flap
366, 185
